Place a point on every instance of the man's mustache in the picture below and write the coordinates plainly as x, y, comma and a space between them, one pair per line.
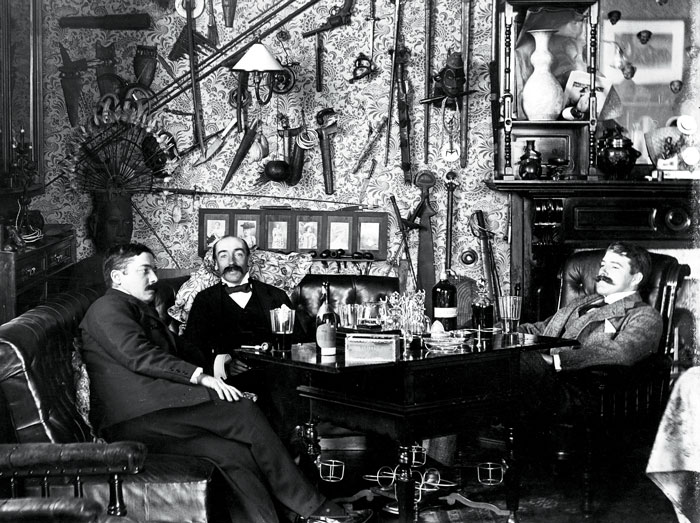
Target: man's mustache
603, 277
152, 287
233, 267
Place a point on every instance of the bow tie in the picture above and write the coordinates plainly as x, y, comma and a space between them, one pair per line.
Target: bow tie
590, 306
245, 287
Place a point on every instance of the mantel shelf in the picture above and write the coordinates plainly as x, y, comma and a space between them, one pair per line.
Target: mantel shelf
602, 187
550, 123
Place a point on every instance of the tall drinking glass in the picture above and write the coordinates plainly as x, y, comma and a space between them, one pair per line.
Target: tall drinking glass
282, 321
510, 312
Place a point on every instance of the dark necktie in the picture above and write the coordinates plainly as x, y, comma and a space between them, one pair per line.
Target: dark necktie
245, 287
590, 306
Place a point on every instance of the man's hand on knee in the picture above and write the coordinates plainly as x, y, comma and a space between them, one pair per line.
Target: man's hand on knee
224, 391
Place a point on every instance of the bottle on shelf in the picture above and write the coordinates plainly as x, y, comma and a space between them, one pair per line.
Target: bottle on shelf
530, 162
445, 303
482, 310
327, 321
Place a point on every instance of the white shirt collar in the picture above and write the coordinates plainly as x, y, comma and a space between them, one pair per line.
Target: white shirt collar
241, 298
617, 296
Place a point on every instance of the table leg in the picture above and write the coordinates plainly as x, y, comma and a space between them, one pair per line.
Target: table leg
512, 476
405, 487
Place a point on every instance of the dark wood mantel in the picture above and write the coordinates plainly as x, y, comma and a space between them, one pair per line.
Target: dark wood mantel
551, 219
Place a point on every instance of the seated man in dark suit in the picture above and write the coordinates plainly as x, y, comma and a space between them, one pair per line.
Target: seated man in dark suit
143, 389
613, 326
237, 312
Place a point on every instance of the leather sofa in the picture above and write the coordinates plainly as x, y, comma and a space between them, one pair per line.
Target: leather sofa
51, 438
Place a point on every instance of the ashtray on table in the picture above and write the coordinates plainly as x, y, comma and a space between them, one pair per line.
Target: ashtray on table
444, 344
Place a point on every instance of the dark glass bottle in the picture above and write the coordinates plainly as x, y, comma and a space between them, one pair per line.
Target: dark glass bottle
530, 162
327, 321
482, 311
445, 303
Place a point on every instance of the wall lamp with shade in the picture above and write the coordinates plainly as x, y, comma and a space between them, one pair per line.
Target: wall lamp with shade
259, 61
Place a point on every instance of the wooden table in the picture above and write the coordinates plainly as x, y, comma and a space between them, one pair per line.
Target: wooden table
417, 394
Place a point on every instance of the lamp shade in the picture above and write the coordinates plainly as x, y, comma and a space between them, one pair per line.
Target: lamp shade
257, 58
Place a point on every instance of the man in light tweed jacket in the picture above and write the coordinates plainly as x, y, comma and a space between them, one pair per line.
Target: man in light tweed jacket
613, 326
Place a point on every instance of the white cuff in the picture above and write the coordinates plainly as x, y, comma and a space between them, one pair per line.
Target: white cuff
196, 374
220, 363
556, 359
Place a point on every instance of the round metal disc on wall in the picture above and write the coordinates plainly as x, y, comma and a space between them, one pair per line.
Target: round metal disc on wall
197, 8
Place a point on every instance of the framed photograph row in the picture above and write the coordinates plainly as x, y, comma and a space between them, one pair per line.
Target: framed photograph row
286, 230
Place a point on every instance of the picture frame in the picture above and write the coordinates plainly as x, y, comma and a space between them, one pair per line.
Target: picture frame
309, 233
370, 234
214, 224
339, 233
658, 61
247, 227
303, 230
644, 93
279, 233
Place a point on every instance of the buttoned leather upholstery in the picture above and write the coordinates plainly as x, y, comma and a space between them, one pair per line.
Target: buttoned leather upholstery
42, 510
344, 288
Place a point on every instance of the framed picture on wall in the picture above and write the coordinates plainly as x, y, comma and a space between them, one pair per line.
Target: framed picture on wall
339, 234
303, 230
214, 224
309, 233
654, 47
247, 227
279, 232
371, 234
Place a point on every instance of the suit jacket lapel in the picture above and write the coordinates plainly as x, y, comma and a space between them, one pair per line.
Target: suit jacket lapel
155, 322
566, 317
610, 311
265, 300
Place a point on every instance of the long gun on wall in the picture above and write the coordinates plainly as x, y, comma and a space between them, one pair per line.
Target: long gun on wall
339, 16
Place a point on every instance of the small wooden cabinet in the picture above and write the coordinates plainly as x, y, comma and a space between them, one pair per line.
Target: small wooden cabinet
27, 278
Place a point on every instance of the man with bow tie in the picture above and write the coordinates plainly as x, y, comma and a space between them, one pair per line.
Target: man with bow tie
144, 388
614, 327
237, 312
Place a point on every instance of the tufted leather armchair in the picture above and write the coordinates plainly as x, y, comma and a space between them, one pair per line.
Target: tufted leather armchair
624, 400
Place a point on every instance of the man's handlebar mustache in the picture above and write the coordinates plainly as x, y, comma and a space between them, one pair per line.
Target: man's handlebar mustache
602, 277
233, 267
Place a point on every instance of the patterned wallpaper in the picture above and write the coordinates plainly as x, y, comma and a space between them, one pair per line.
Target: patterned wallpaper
174, 218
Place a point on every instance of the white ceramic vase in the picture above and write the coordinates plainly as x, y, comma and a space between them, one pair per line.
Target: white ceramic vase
543, 97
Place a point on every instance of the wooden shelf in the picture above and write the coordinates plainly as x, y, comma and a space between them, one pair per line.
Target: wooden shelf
550, 123
600, 187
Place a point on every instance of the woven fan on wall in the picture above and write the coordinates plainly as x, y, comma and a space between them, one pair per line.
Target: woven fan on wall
123, 150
